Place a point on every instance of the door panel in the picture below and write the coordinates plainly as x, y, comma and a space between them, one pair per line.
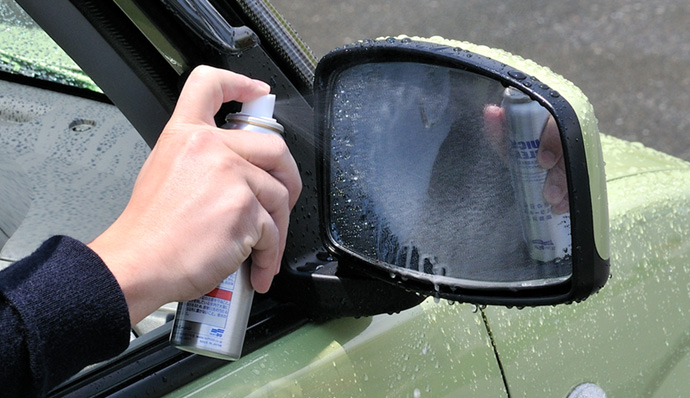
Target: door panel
632, 338
432, 350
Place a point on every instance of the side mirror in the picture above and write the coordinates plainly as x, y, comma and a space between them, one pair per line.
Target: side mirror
461, 172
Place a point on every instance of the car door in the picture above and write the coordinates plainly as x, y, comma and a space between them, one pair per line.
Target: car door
631, 339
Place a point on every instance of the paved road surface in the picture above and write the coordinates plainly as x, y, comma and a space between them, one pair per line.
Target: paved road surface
631, 58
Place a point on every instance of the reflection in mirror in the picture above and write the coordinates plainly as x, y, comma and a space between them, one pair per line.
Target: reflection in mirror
448, 175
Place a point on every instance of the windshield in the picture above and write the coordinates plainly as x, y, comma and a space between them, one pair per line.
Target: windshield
25, 49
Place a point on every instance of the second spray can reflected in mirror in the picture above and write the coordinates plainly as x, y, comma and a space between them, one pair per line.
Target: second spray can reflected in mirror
548, 235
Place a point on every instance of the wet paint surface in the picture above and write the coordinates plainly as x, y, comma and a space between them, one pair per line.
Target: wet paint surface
631, 338
432, 350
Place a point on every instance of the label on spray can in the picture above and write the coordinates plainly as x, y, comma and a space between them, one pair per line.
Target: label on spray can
215, 324
547, 235
213, 307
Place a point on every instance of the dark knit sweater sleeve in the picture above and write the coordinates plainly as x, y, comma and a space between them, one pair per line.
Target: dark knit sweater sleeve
60, 310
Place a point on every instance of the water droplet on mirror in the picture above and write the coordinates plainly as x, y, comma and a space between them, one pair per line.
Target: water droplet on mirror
517, 75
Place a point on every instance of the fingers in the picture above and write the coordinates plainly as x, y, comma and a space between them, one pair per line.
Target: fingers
270, 153
267, 213
276, 189
556, 189
270, 171
206, 89
550, 157
494, 124
266, 253
550, 149
273, 197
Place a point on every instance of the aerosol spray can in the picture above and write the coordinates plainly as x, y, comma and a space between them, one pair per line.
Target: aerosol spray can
215, 324
547, 235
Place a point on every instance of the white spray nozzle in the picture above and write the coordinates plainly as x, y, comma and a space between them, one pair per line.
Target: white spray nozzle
260, 107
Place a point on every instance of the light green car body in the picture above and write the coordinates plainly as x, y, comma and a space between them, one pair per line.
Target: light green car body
631, 339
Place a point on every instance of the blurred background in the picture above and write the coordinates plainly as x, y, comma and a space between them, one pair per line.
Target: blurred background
631, 58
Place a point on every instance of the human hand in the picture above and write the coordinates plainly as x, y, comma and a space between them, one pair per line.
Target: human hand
204, 201
549, 156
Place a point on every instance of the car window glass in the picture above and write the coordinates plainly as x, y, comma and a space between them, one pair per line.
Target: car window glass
27, 50
67, 164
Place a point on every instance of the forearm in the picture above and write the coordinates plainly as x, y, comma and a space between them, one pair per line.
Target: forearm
61, 310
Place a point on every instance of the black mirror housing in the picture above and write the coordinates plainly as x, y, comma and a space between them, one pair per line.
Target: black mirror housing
406, 121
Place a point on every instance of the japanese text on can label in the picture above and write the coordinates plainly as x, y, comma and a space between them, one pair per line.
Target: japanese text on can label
212, 309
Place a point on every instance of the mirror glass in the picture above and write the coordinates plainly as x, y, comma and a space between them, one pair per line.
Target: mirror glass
447, 175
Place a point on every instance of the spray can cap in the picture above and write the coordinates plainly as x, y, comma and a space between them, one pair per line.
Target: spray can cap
255, 115
260, 107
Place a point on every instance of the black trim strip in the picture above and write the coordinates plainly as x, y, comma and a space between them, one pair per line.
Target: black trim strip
154, 367
54, 86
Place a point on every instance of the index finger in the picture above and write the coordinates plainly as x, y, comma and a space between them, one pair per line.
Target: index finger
550, 148
494, 129
207, 88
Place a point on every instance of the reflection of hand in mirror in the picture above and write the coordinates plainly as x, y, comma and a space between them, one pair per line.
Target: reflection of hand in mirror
549, 156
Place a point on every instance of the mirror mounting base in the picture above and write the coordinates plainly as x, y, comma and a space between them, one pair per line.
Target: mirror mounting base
327, 289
